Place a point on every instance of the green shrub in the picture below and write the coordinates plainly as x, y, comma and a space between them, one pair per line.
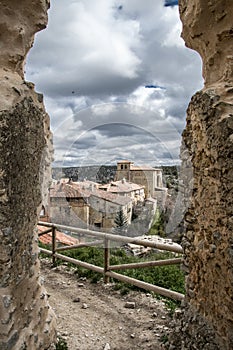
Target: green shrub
158, 225
61, 344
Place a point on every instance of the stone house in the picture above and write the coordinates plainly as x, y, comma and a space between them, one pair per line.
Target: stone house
68, 205
105, 206
124, 188
85, 205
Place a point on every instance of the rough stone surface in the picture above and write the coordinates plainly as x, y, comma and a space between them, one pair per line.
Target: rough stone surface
206, 320
27, 321
207, 28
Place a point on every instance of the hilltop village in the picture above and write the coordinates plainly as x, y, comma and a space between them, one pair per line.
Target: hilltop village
136, 192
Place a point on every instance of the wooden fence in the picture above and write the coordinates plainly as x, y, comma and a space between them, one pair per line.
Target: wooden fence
104, 239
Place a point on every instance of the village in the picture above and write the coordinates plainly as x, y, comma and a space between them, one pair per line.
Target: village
136, 191
130, 201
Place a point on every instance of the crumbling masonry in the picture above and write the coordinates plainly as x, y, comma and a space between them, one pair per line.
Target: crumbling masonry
206, 321
26, 320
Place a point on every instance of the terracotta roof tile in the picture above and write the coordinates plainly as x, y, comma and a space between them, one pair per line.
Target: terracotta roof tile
77, 190
122, 186
61, 237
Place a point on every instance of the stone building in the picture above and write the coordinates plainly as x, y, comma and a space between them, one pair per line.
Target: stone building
150, 178
82, 204
105, 206
124, 188
68, 205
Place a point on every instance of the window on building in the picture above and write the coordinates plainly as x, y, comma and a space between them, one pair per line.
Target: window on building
125, 166
121, 166
42, 212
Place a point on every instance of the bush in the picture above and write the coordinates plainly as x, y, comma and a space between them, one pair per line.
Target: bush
158, 225
61, 344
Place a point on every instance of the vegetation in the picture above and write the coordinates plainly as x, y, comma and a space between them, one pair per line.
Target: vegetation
158, 225
170, 277
97, 173
61, 344
121, 223
170, 175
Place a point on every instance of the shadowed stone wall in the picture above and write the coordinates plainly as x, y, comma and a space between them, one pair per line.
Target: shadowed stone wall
26, 321
206, 320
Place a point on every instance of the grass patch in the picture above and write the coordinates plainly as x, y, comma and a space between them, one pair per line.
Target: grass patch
170, 276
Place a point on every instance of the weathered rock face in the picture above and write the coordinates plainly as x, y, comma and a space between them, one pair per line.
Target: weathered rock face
27, 322
207, 28
207, 317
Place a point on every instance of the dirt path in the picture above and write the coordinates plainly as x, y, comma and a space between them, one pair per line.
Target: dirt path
95, 316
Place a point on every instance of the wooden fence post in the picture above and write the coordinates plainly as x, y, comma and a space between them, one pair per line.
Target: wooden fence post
54, 246
106, 259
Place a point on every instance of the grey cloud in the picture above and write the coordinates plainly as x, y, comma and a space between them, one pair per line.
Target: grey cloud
117, 129
60, 64
97, 53
139, 143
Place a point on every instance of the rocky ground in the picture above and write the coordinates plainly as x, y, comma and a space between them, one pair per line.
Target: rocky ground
97, 317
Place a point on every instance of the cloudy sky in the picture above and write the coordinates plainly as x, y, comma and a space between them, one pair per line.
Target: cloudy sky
116, 79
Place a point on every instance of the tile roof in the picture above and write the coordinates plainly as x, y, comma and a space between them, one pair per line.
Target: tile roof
78, 190
122, 186
68, 190
143, 168
86, 184
112, 197
61, 237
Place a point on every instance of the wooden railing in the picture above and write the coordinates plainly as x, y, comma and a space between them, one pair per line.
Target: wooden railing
108, 270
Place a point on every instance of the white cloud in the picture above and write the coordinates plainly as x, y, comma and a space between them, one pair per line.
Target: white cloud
103, 109
93, 63
83, 47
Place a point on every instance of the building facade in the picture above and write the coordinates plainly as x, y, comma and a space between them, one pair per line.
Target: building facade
150, 178
83, 204
126, 189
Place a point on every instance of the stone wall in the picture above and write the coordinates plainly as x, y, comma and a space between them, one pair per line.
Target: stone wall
206, 319
27, 322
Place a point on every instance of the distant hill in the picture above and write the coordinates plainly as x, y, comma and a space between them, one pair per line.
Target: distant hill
106, 173
97, 173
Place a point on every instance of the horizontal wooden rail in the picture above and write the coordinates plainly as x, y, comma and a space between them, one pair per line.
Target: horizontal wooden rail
122, 239
44, 232
107, 271
80, 245
140, 284
73, 261
146, 264
147, 286
46, 251
80, 263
